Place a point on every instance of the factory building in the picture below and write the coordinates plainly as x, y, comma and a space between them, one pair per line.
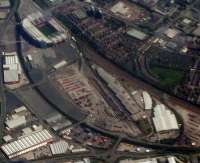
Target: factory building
164, 119
169, 159
59, 147
11, 68
153, 160
27, 143
60, 64
122, 94
137, 34
4, 4
44, 30
17, 119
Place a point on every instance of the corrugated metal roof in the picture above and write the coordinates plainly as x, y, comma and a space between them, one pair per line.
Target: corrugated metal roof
11, 76
147, 100
15, 122
59, 147
164, 119
20, 109
171, 159
137, 34
26, 142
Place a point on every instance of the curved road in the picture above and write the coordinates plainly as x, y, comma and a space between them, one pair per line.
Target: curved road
166, 148
15, 4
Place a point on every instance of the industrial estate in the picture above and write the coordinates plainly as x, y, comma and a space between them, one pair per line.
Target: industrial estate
100, 81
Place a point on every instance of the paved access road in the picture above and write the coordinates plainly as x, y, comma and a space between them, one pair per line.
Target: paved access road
4, 25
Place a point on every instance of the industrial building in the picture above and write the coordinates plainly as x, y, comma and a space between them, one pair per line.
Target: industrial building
169, 159
60, 64
20, 109
153, 160
15, 121
7, 138
147, 100
164, 119
129, 11
3, 13
45, 30
137, 34
57, 121
18, 118
122, 94
4, 3
59, 147
27, 143
171, 33
11, 68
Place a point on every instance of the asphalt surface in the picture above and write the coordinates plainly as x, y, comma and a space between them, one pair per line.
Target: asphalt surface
15, 5
161, 147
105, 156
33, 100
3, 104
100, 61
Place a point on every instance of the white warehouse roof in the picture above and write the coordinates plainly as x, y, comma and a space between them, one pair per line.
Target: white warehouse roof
20, 109
164, 119
137, 34
12, 68
15, 121
27, 143
171, 159
60, 64
152, 160
11, 76
147, 100
59, 147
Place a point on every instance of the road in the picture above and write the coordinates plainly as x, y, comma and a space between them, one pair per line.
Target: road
92, 56
105, 156
15, 5
3, 109
165, 148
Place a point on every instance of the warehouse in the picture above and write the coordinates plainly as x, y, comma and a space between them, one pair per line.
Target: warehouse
12, 68
3, 13
20, 109
15, 121
151, 160
164, 119
18, 118
4, 4
147, 100
27, 143
137, 34
59, 147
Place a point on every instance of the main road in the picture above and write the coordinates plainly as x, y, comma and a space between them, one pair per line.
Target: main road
104, 156
166, 148
14, 6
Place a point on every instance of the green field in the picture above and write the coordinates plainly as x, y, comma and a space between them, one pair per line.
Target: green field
168, 77
47, 29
